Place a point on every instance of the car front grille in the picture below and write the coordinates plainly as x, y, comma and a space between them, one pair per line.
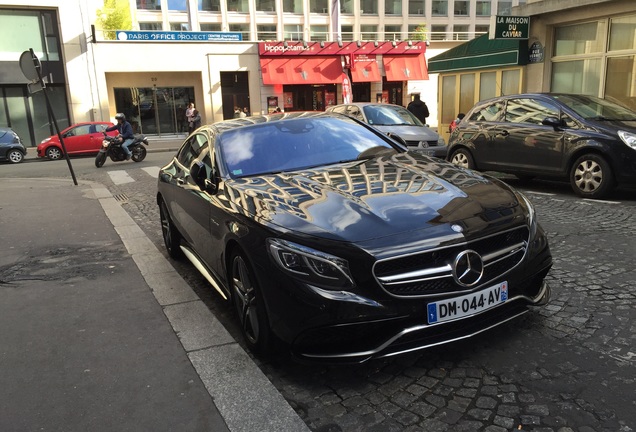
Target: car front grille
430, 273
432, 143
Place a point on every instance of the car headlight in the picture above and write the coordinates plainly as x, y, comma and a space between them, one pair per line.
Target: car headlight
310, 265
441, 141
628, 138
532, 214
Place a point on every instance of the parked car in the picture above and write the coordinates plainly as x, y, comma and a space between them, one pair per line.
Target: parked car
11, 147
394, 119
331, 237
79, 139
588, 140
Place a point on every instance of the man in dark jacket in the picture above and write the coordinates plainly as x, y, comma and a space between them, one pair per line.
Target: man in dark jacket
418, 108
125, 132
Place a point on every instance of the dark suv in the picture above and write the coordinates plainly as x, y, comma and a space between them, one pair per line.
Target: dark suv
589, 140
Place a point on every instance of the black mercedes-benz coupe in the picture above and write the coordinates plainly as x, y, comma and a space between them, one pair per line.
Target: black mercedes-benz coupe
331, 237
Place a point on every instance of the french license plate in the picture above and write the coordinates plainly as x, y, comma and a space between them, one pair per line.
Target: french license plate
469, 304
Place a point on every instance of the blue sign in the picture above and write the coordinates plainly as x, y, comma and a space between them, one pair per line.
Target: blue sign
178, 36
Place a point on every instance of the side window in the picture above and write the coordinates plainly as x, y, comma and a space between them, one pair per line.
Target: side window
531, 111
354, 111
491, 112
191, 150
339, 110
100, 128
82, 130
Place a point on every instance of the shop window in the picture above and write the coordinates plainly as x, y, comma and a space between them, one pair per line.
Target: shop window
210, 5
149, 4
466, 92
449, 109
577, 76
487, 85
622, 86
579, 39
369, 7
622, 33
440, 8
393, 7
417, 7
511, 81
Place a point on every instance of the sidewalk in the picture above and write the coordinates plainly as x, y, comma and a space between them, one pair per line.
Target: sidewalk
100, 333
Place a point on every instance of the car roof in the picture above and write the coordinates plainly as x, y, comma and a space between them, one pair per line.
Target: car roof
363, 104
227, 125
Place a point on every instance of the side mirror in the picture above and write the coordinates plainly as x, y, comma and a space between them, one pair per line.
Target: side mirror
396, 137
552, 121
199, 176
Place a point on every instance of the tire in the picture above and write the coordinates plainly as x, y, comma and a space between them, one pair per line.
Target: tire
53, 153
462, 157
15, 156
138, 153
171, 235
591, 176
100, 159
248, 303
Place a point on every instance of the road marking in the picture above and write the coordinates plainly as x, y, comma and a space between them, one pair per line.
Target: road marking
601, 201
541, 193
153, 171
120, 177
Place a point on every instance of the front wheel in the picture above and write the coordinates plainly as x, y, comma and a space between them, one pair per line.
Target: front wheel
248, 302
15, 156
463, 158
591, 176
138, 153
171, 235
53, 153
100, 159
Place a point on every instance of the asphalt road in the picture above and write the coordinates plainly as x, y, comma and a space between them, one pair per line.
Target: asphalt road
569, 366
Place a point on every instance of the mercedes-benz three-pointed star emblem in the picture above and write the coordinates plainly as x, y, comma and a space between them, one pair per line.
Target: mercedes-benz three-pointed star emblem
468, 268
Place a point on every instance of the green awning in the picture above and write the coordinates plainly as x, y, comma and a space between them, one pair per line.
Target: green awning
481, 53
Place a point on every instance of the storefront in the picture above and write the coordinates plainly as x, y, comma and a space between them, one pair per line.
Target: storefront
312, 76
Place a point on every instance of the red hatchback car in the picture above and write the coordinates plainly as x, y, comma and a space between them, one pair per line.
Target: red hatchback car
79, 139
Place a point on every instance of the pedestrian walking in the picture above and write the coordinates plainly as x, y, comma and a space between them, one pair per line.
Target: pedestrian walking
418, 108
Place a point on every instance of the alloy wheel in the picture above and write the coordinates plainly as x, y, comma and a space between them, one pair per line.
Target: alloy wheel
245, 300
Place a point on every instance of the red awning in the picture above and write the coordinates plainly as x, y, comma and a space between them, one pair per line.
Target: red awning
405, 67
365, 69
305, 70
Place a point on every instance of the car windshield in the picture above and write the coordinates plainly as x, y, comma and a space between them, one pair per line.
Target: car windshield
593, 108
390, 115
296, 143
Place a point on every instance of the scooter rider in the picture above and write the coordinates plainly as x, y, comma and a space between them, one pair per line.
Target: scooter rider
125, 132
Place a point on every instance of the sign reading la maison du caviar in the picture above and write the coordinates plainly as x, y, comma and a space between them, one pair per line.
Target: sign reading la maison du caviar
509, 27
178, 36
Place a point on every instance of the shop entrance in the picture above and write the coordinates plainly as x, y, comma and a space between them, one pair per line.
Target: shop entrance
361, 92
155, 110
394, 89
309, 97
235, 92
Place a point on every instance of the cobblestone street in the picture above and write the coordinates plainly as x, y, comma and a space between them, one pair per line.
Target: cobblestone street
569, 366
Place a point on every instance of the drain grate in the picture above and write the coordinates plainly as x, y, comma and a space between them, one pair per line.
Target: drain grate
121, 197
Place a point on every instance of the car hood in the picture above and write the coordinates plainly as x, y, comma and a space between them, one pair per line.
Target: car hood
385, 196
613, 126
410, 133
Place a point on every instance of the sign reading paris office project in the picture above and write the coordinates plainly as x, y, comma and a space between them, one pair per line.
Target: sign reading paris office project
509, 27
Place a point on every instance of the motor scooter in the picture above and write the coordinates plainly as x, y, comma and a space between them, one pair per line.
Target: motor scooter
111, 147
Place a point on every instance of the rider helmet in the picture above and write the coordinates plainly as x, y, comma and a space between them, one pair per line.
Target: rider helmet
120, 116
